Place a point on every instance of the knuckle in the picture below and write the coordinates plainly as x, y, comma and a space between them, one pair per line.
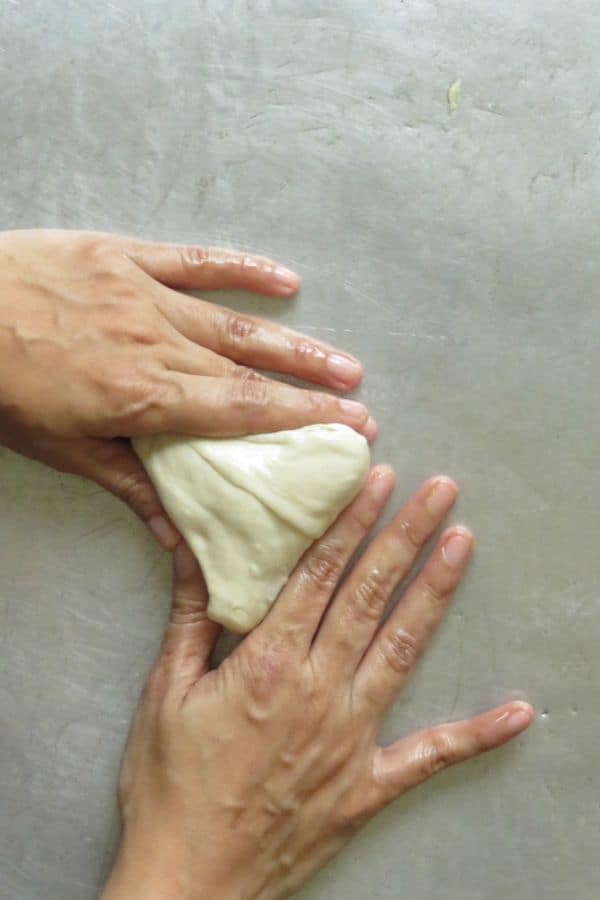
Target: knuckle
365, 515
121, 293
433, 597
251, 396
132, 398
188, 610
99, 252
116, 397
190, 256
437, 751
246, 374
264, 672
107, 285
125, 327
325, 564
317, 403
400, 651
123, 391
410, 535
371, 595
303, 350
236, 329
135, 489
106, 260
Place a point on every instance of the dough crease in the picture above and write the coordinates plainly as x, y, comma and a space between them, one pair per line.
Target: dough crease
249, 507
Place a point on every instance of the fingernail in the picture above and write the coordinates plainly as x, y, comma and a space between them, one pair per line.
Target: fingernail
519, 719
345, 370
165, 533
184, 561
457, 548
286, 278
370, 429
440, 498
354, 410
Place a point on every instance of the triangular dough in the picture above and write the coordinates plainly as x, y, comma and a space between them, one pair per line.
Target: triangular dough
249, 507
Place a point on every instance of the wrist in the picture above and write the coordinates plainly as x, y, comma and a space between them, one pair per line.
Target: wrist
159, 872
150, 875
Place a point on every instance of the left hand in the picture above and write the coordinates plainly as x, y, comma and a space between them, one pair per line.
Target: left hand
240, 782
97, 343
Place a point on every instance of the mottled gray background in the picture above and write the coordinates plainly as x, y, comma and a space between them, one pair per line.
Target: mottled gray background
457, 255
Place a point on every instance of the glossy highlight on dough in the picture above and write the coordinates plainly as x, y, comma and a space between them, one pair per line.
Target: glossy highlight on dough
249, 507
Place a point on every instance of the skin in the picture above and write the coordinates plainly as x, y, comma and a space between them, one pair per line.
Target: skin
240, 782
97, 343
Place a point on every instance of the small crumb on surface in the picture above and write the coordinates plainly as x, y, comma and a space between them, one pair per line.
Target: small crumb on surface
453, 95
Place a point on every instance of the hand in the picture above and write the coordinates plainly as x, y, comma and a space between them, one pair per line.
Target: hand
241, 781
94, 346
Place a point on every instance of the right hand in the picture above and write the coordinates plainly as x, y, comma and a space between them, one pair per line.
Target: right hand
96, 345
241, 781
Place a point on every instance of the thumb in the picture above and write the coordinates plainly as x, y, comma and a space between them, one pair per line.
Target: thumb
190, 636
113, 465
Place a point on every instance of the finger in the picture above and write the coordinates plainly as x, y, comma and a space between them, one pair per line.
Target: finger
187, 358
113, 465
211, 268
414, 759
304, 599
370, 430
354, 616
182, 355
259, 343
190, 636
232, 406
400, 642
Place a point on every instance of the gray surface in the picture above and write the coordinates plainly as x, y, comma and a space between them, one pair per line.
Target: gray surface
458, 256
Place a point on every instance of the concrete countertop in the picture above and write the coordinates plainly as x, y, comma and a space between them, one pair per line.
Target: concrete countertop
455, 252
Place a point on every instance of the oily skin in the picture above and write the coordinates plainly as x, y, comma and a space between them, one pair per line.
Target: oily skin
240, 782
97, 343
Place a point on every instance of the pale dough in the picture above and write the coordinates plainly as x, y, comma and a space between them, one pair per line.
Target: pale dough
249, 507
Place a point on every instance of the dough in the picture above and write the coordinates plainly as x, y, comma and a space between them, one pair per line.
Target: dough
249, 507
